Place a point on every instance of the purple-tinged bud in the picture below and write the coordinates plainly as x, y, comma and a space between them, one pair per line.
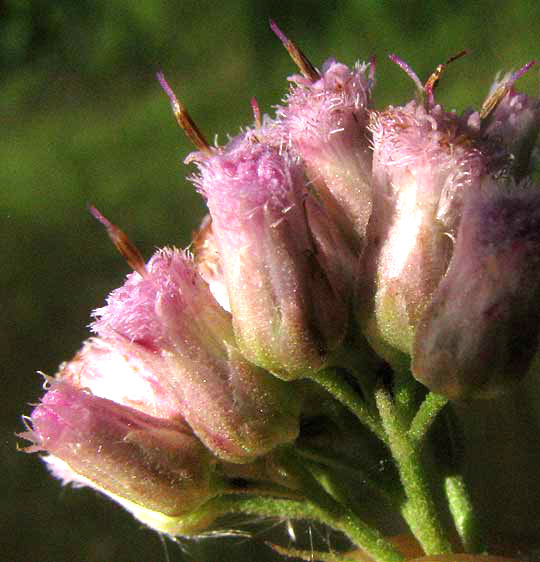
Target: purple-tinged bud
237, 410
424, 161
515, 122
287, 315
325, 121
479, 334
158, 465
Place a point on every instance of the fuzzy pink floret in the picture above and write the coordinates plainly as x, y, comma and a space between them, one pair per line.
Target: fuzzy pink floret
131, 309
332, 108
68, 415
247, 178
413, 136
504, 217
439, 149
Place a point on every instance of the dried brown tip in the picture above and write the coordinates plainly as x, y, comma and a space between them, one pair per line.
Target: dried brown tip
301, 61
183, 118
123, 244
493, 101
433, 80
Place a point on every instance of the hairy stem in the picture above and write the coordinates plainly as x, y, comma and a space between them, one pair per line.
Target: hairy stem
465, 520
337, 515
420, 510
425, 416
342, 391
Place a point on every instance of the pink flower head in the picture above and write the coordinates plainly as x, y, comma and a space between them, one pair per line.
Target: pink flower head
424, 161
158, 465
171, 320
287, 314
171, 300
480, 333
325, 121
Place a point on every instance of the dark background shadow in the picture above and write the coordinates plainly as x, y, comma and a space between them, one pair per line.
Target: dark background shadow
84, 120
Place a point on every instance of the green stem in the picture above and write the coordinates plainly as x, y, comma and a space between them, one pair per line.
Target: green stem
461, 508
405, 388
369, 540
420, 510
424, 418
358, 474
337, 515
342, 391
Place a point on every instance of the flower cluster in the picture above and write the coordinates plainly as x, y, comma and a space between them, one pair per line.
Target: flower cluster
340, 239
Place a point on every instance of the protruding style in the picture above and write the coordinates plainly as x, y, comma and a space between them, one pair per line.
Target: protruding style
433, 80
122, 242
301, 61
502, 89
256, 112
183, 118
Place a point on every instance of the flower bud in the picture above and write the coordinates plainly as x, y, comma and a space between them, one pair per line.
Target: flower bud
153, 463
287, 315
479, 334
170, 318
325, 121
424, 161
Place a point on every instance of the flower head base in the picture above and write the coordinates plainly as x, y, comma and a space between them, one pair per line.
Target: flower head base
287, 315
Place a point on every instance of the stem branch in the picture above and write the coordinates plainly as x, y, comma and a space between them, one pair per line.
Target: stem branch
428, 411
342, 391
420, 510
461, 508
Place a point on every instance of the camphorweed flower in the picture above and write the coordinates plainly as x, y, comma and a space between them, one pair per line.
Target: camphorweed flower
412, 228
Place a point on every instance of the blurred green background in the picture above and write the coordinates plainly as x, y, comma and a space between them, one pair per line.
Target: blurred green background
84, 120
